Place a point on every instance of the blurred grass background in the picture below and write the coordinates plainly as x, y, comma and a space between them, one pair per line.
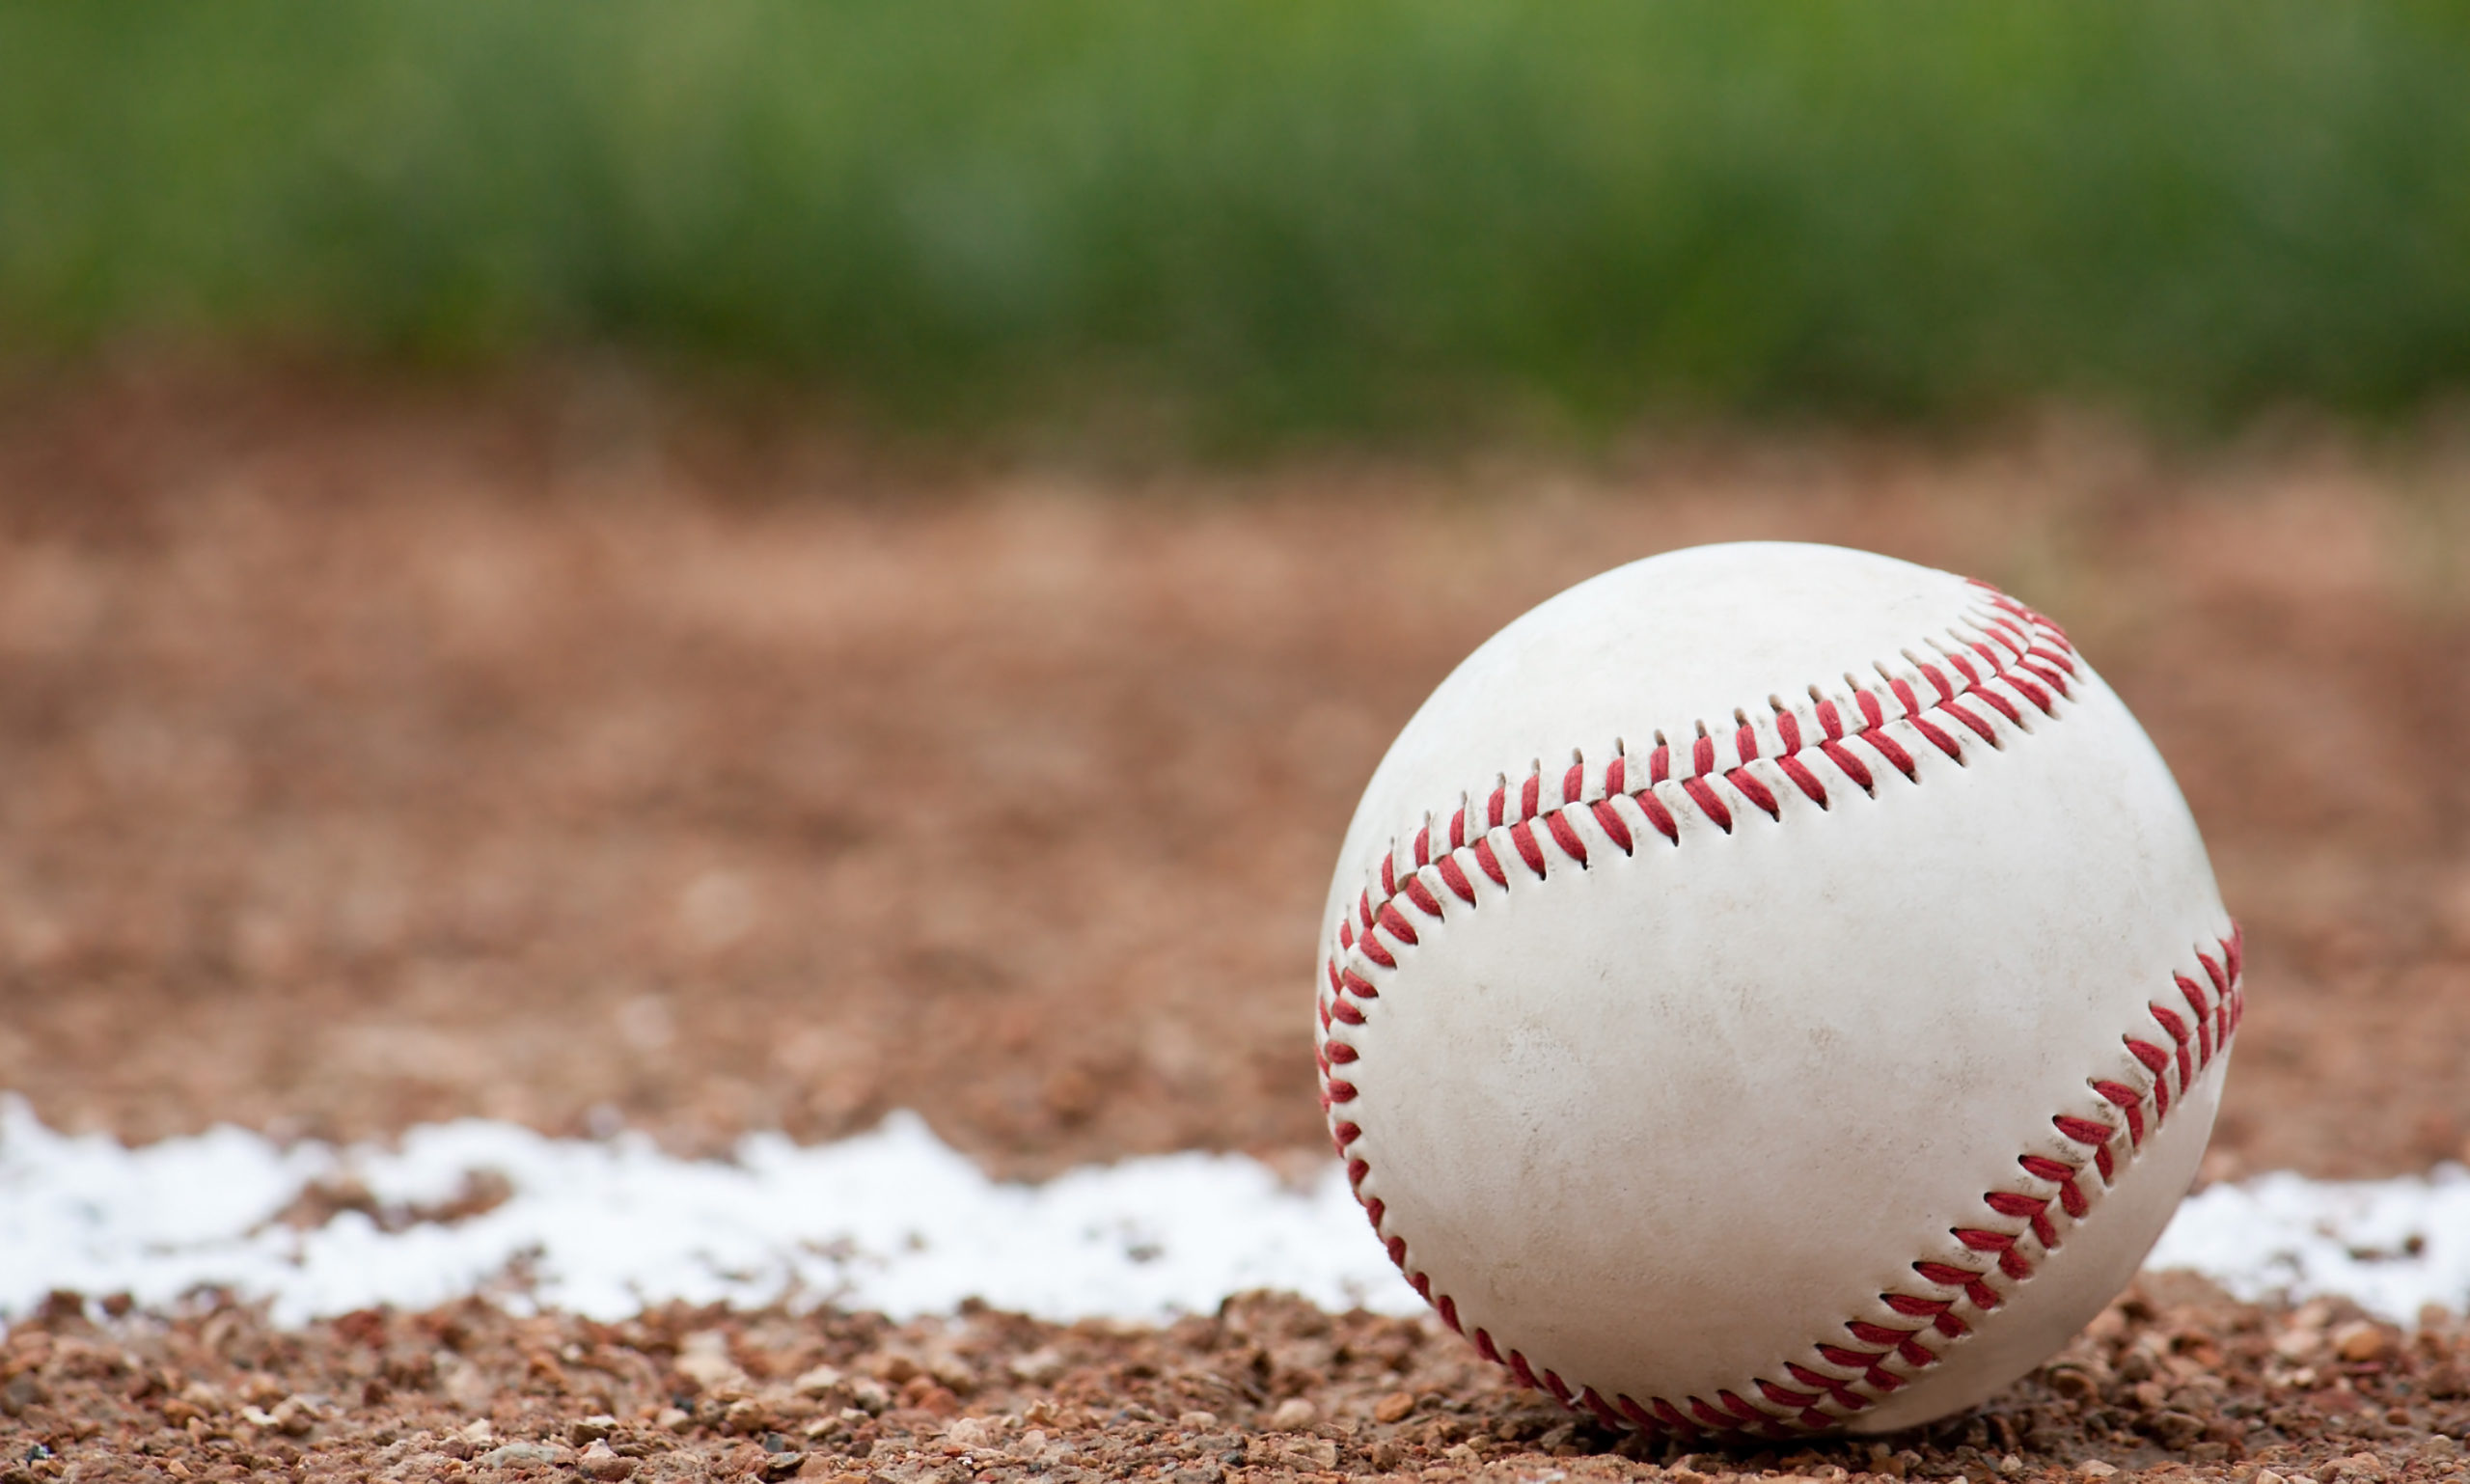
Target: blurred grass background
1279, 215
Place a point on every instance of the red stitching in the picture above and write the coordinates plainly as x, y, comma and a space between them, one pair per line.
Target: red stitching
2084, 1131
1609, 820
2034, 1209
2004, 707
1954, 708
1596, 1404
1658, 815
1754, 791
2024, 656
1944, 1274
1804, 779
1940, 1313
2070, 1196
1853, 768
1893, 752
1938, 737
1522, 835
2129, 1102
1909, 1350
2194, 995
1704, 796
1565, 836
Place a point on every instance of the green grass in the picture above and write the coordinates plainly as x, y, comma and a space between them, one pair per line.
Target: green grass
1279, 214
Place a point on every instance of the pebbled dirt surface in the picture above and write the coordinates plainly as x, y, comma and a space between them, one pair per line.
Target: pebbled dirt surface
580, 753
2172, 1383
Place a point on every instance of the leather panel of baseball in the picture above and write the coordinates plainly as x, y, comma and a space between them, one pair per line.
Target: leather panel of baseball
1668, 1122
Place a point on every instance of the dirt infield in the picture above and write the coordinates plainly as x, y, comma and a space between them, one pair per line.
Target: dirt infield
573, 757
374, 760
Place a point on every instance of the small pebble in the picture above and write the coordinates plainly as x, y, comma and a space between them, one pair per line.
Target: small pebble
2297, 1344
1293, 1414
2360, 1341
590, 1429
1394, 1406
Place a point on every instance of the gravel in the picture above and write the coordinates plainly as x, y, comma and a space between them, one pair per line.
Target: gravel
2175, 1381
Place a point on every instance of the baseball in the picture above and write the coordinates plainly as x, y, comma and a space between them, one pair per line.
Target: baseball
1773, 988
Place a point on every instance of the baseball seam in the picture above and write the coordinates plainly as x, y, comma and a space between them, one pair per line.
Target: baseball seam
2012, 664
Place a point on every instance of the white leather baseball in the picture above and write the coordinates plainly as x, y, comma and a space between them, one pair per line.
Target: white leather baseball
1773, 987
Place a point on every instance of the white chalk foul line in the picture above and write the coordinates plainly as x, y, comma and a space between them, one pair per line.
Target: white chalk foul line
896, 1221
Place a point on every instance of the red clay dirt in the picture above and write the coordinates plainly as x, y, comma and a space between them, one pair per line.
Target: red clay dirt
587, 756
381, 758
